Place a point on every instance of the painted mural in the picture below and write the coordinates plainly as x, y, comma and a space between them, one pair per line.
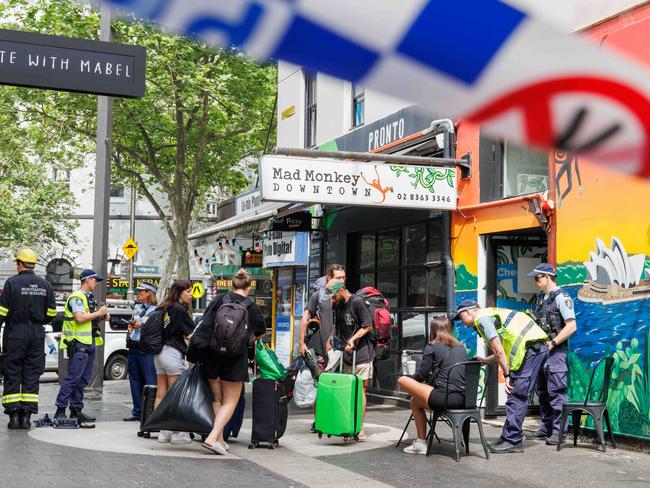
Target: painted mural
602, 239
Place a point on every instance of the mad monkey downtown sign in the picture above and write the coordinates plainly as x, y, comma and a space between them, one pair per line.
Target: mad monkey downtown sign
290, 179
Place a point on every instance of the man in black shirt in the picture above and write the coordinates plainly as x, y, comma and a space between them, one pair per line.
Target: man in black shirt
353, 325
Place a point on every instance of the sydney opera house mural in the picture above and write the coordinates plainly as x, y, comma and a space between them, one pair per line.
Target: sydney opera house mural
613, 276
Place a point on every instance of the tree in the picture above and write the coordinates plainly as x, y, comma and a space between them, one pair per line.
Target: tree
204, 110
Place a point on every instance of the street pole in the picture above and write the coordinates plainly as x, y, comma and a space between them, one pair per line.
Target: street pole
130, 292
102, 200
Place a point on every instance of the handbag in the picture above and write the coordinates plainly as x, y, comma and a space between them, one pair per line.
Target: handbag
268, 364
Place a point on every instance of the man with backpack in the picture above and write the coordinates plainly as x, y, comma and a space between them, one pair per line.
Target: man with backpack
317, 320
353, 326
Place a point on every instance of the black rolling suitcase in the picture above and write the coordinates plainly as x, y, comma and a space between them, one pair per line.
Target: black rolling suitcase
270, 411
148, 400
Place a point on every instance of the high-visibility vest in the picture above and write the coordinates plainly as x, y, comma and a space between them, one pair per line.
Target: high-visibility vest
516, 331
82, 332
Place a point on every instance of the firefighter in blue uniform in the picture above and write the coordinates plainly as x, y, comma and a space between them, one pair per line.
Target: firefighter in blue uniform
556, 314
80, 337
518, 346
27, 302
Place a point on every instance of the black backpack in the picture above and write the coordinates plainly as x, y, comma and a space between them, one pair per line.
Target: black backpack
230, 337
152, 332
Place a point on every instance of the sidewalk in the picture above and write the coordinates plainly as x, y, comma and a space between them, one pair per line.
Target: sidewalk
113, 456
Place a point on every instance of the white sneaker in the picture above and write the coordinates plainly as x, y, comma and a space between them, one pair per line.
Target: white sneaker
419, 446
180, 438
164, 436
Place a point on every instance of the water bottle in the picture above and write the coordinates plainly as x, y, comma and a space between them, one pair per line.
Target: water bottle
405, 360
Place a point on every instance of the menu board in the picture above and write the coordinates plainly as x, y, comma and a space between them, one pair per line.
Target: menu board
315, 254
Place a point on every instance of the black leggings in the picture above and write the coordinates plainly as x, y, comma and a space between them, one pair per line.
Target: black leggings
437, 400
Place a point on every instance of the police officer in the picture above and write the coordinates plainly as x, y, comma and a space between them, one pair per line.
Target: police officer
80, 336
555, 313
142, 370
27, 302
518, 345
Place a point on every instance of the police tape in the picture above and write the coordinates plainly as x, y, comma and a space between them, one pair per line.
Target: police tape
479, 59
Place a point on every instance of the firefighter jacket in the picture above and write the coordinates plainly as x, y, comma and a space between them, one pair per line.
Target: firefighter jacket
27, 300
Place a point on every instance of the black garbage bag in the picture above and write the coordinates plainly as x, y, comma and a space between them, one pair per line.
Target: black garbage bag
187, 406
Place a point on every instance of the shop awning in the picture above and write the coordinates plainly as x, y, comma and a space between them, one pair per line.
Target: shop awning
243, 225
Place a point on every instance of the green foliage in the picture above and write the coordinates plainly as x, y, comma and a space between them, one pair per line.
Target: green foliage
203, 111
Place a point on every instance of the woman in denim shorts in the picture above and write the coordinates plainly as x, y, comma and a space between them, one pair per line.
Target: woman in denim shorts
170, 362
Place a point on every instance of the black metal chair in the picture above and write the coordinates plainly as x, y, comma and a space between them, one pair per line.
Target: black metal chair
597, 408
460, 419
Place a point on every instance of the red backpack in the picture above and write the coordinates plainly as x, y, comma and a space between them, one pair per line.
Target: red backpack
382, 322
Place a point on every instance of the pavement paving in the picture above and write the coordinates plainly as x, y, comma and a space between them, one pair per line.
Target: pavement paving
111, 456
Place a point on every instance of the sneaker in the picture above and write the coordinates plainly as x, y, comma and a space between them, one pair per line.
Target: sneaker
180, 438
539, 435
164, 436
419, 446
60, 413
552, 440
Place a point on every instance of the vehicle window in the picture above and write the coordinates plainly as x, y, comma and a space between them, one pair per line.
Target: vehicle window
119, 321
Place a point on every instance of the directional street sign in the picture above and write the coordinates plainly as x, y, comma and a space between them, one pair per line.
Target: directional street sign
197, 290
130, 248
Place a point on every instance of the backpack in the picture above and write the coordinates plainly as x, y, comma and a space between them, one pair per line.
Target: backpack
230, 336
382, 322
153, 331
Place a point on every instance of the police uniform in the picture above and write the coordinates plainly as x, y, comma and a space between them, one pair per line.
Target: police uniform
80, 341
27, 302
523, 343
553, 310
142, 370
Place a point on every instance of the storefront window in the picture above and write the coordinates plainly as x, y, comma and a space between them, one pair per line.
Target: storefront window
416, 288
435, 245
436, 286
366, 279
388, 249
367, 255
414, 331
525, 171
415, 243
335, 250
388, 283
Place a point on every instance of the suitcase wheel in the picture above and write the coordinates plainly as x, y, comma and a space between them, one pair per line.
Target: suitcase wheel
140, 433
320, 436
356, 437
328, 436
251, 446
271, 446
147, 435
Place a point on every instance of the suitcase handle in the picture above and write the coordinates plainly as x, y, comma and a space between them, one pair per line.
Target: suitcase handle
354, 360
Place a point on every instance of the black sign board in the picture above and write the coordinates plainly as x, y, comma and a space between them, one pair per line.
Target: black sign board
298, 222
67, 64
315, 252
251, 259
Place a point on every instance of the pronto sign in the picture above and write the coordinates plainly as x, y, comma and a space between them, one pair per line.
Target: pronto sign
305, 180
68, 64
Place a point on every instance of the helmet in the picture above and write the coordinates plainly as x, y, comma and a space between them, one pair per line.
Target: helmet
26, 256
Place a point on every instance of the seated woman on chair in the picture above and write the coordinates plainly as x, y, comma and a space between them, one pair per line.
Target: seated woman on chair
427, 386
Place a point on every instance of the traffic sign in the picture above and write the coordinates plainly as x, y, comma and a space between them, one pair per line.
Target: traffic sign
197, 290
130, 248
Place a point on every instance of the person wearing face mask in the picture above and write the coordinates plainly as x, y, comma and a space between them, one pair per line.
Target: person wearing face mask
353, 324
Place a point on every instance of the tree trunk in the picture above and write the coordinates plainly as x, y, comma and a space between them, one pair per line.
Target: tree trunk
166, 278
182, 248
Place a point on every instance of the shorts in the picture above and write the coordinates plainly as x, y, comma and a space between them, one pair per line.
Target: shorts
437, 400
364, 370
170, 362
226, 368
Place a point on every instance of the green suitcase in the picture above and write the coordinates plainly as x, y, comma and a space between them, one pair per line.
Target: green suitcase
339, 403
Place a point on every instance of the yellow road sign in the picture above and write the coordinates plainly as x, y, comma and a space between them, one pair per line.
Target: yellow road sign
130, 248
197, 290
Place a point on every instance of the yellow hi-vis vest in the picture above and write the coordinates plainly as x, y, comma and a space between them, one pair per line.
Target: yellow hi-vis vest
82, 332
516, 331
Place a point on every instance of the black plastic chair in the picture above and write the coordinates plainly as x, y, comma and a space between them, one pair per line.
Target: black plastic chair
597, 409
418, 359
460, 419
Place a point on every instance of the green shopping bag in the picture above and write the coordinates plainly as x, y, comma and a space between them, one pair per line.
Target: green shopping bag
267, 363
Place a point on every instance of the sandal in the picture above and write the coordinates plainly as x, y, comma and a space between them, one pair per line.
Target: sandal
216, 449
